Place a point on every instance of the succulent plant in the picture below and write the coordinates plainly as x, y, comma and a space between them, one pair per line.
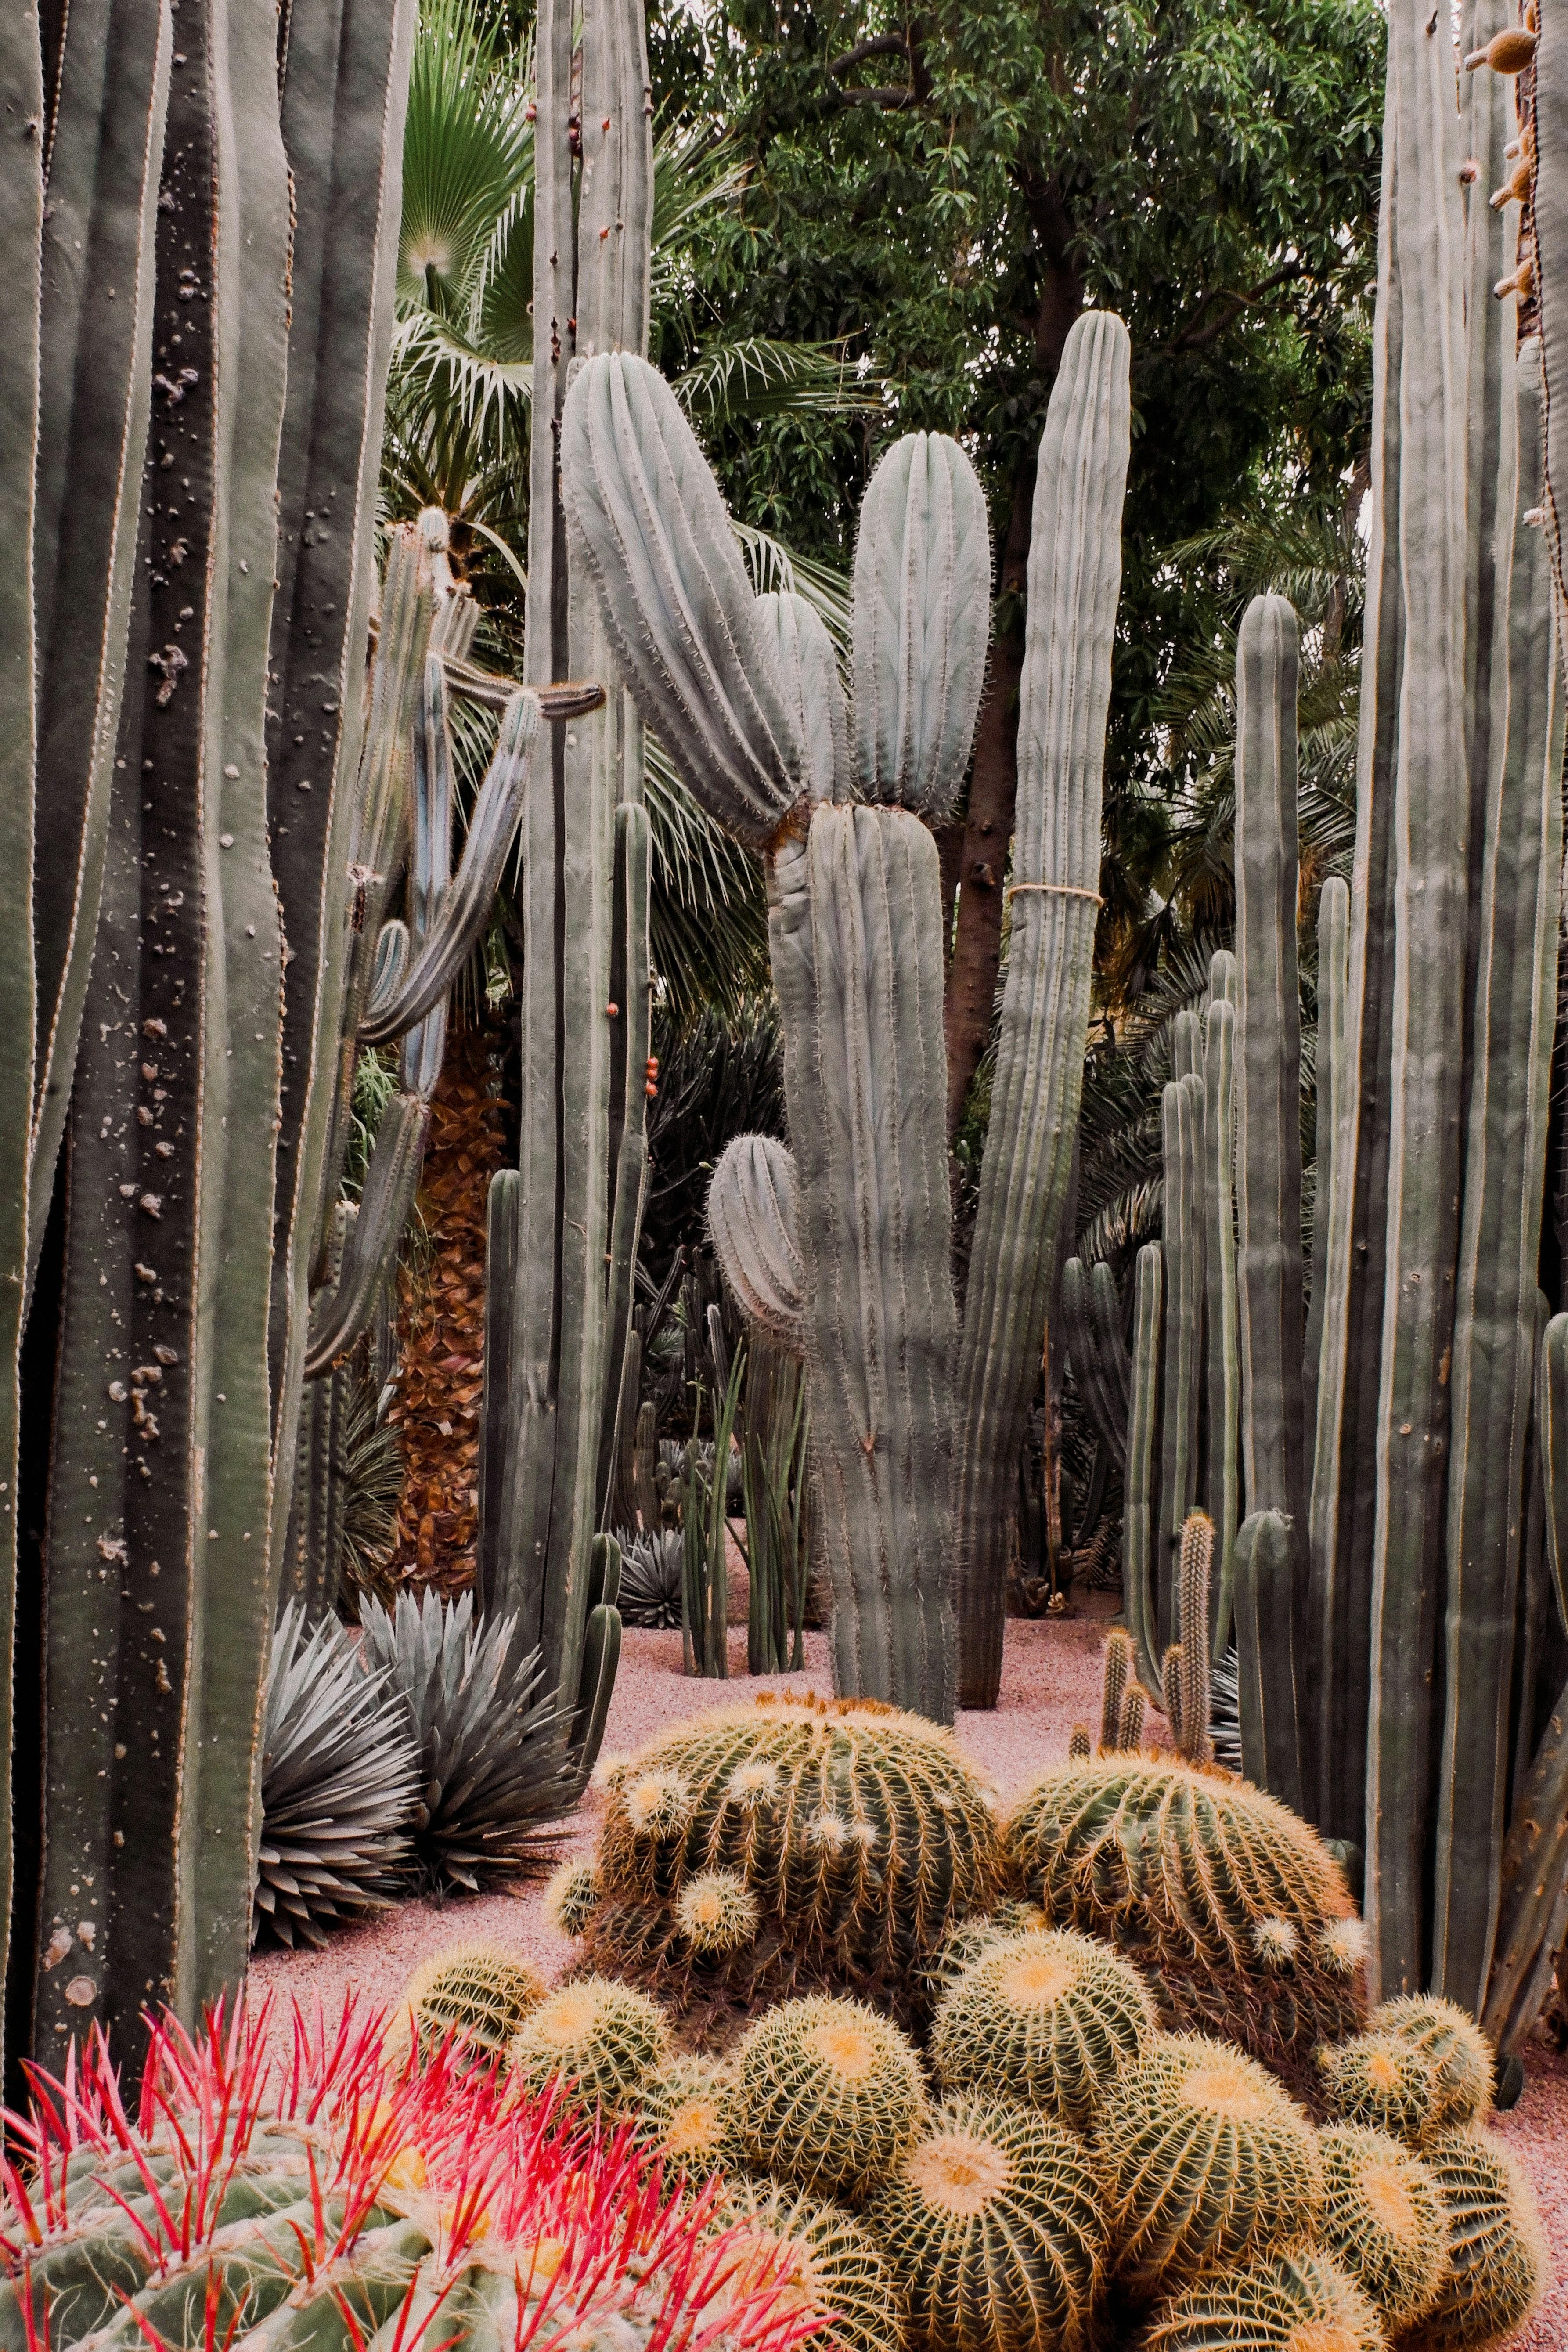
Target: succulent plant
1185, 1871
572, 1897
1296, 2300
823, 2258
1385, 2084
970, 1938
1384, 2222
601, 2042
716, 1912
318, 2197
340, 1779
994, 2223
476, 1993
493, 1759
685, 2114
1455, 2047
652, 1579
1049, 2020
828, 2092
1497, 2263
859, 1833
1207, 2163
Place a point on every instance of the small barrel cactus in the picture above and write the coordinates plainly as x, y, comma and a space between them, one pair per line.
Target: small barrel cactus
477, 1992
972, 1937
995, 2224
823, 2258
686, 2116
1234, 1908
1208, 2162
1497, 2263
1456, 2046
572, 1897
602, 2042
1384, 2222
1298, 2300
1049, 2020
859, 1835
1382, 2084
828, 2092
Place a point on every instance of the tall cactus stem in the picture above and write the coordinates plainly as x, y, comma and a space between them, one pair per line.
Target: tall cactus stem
1499, 1238
1118, 1674
1223, 1354
1139, 1509
1327, 1629
1180, 1115
1194, 1585
1075, 574
1266, 1655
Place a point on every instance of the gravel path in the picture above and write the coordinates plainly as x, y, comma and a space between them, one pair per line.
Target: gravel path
1050, 1681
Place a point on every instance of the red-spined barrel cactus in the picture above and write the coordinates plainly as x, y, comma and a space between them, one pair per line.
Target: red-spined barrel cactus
324, 2197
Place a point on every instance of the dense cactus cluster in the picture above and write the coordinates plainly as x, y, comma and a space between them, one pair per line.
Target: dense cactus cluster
786, 1846
1237, 1912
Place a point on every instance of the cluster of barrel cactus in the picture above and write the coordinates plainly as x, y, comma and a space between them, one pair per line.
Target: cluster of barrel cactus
788, 1845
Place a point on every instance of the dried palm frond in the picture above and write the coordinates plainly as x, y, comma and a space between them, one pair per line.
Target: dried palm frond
494, 1761
339, 1778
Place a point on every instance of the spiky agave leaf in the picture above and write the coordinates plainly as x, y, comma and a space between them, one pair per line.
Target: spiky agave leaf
494, 1766
340, 1778
652, 1568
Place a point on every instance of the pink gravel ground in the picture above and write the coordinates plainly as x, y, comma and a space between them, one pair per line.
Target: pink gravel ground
1050, 1680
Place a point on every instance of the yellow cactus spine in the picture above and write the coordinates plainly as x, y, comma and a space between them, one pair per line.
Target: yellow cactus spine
1049, 2020
828, 2092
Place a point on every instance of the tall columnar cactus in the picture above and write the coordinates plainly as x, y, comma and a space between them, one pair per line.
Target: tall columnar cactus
142, 481
564, 1223
1075, 577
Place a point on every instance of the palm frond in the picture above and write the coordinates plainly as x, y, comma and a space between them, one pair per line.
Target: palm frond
753, 377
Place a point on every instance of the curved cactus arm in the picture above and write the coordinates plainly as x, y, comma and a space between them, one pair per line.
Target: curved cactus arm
1266, 1655
1516, 933
808, 669
1139, 1480
651, 531
920, 622
386, 1200
752, 1219
458, 910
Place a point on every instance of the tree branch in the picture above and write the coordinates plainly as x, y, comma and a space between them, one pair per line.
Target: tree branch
1194, 338
882, 45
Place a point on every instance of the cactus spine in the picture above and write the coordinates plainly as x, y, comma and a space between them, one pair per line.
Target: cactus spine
1074, 576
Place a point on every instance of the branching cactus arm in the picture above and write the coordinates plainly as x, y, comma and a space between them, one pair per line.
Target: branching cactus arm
650, 528
808, 671
752, 1217
921, 621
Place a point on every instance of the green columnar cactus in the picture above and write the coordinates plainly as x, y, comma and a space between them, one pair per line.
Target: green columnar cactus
994, 2225
1117, 1676
1222, 1333
828, 2092
1207, 2162
1266, 1653
1139, 1506
160, 1477
602, 2042
1285, 2302
1498, 2267
1103, 1379
1335, 1644
1384, 2222
1049, 2020
1181, 1389
1190, 1874
1499, 1236
1075, 578
476, 1991
564, 1223
1194, 1569
861, 1835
